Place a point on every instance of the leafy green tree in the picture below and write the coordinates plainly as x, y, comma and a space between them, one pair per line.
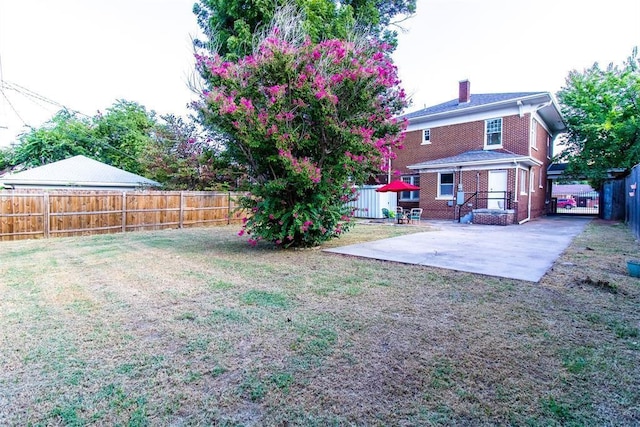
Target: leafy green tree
229, 26
124, 134
182, 158
602, 110
65, 135
310, 121
171, 150
6, 158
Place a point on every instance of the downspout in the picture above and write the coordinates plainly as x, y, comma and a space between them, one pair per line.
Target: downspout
515, 188
456, 206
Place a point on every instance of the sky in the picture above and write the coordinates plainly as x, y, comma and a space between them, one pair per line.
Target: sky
87, 54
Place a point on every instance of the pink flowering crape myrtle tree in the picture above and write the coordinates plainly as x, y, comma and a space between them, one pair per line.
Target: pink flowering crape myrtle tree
310, 122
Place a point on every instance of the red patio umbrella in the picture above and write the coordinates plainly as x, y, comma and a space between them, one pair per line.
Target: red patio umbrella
397, 186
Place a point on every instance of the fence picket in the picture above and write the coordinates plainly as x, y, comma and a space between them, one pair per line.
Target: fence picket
32, 214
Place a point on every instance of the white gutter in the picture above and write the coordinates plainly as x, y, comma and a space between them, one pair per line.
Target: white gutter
475, 163
490, 106
515, 184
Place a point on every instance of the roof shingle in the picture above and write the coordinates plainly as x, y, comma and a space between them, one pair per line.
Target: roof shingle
476, 101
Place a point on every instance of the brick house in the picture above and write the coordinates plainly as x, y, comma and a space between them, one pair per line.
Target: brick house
485, 154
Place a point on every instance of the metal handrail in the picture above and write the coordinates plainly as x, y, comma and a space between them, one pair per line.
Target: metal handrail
505, 196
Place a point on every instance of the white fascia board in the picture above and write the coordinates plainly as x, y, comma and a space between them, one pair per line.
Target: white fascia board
470, 168
542, 123
431, 122
509, 107
478, 165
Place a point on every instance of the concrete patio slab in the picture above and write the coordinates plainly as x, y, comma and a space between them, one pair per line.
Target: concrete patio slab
523, 252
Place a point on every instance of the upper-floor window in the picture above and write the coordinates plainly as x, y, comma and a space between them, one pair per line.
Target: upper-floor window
532, 178
540, 179
426, 136
445, 185
534, 134
411, 195
493, 133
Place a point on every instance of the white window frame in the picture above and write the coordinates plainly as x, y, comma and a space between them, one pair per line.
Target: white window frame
414, 196
426, 137
487, 124
532, 181
540, 179
440, 184
523, 182
534, 134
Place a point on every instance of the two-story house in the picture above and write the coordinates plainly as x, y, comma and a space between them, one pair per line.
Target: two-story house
480, 153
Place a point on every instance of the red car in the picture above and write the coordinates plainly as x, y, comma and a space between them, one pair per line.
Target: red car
566, 203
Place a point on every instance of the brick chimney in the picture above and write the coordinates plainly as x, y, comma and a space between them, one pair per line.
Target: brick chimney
464, 93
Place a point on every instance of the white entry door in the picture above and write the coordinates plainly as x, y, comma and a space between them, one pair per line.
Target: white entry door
497, 185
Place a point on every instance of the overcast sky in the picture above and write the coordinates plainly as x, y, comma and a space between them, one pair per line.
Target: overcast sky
86, 54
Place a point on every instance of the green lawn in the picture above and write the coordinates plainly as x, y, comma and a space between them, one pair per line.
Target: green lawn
194, 327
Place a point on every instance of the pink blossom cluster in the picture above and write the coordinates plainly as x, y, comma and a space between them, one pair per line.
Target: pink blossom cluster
304, 166
275, 92
305, 110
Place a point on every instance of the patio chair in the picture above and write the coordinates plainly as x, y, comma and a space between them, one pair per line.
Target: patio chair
386, 214
400, 215
415, 215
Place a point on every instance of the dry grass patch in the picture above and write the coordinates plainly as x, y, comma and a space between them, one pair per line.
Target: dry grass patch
193, 327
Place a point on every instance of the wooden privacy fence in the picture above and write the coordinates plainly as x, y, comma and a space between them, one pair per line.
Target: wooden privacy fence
25, 215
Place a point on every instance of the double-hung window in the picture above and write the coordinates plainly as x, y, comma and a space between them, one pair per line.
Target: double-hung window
426, 136
493, 133
532, 186
411, 196
445, 185
523, 181
534, 134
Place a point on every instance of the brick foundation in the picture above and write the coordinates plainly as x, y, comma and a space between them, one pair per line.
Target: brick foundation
493, 217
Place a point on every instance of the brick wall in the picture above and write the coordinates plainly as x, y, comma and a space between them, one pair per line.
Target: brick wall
515, 134
451, 140
472, 181
493, 218
446, 141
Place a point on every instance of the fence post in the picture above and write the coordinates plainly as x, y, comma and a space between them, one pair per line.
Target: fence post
46, 215
181, 219
124, 211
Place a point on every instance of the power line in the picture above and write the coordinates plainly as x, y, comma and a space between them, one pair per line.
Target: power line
12, 107
31, 94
